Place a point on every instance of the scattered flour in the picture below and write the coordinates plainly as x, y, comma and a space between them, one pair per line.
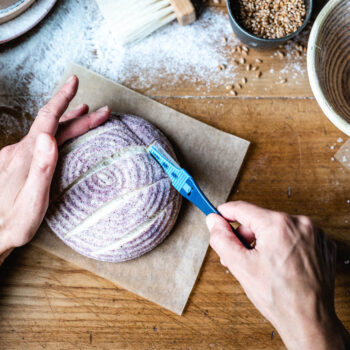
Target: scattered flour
340, 140
295, 66
75, 31
293, 70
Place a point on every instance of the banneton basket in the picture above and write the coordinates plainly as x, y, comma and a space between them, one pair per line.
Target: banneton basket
328, 62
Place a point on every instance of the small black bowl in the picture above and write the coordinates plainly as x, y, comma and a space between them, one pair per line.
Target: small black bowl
255, 41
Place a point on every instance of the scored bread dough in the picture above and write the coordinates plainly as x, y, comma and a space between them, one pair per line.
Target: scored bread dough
111, 200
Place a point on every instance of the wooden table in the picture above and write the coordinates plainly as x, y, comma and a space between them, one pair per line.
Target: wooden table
46, 303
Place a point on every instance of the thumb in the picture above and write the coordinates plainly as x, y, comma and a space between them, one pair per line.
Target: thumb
35, 192
32, 201
230, 250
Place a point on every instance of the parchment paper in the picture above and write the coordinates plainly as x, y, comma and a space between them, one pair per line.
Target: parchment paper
167, 274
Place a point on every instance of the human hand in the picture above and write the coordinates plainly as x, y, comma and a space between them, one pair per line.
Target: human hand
288, 276
27, 167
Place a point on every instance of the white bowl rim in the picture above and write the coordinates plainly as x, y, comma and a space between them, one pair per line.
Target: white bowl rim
326, 107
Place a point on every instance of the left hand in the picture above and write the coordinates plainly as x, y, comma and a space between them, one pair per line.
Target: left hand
27, 167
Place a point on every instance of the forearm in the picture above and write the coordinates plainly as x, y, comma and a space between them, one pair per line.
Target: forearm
321, 335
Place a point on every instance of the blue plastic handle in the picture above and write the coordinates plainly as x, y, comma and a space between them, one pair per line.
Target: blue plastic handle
185, 184
193, 193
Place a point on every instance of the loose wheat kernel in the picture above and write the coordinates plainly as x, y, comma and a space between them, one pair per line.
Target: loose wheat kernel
280, 54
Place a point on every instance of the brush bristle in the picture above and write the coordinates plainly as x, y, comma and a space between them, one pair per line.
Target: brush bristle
133, 20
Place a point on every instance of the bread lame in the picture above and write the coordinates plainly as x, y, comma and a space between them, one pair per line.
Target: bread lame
184, 183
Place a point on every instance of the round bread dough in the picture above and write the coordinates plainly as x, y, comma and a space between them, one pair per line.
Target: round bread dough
111, 200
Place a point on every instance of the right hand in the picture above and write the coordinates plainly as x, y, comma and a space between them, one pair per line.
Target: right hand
288, 276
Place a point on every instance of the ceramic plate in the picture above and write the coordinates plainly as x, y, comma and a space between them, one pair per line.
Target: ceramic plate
26, 21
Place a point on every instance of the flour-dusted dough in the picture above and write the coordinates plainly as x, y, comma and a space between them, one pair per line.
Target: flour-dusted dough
111, 200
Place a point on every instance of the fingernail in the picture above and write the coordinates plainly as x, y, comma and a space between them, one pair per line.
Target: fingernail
70, 79
210, 220
44, 143
103, 109
83, 105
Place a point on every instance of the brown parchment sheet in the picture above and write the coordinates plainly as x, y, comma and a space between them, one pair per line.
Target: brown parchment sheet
167, 274
343, 155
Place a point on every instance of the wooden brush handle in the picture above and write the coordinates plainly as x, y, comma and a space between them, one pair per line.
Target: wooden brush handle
184, 11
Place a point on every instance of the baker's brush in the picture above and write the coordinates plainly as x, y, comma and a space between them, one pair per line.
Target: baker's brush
132, 20
184, 183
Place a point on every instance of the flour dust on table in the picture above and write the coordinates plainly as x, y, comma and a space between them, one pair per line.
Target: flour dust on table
75, 31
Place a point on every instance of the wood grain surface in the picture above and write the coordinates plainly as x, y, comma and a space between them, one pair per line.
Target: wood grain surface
46, 303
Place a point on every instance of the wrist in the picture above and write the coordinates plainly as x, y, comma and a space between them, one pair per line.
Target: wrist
324, 333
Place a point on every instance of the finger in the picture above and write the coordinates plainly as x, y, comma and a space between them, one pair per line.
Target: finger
230, 250
75, 113
49, 115
246, 233
222, 263
75, 127
251, 216
34, 195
